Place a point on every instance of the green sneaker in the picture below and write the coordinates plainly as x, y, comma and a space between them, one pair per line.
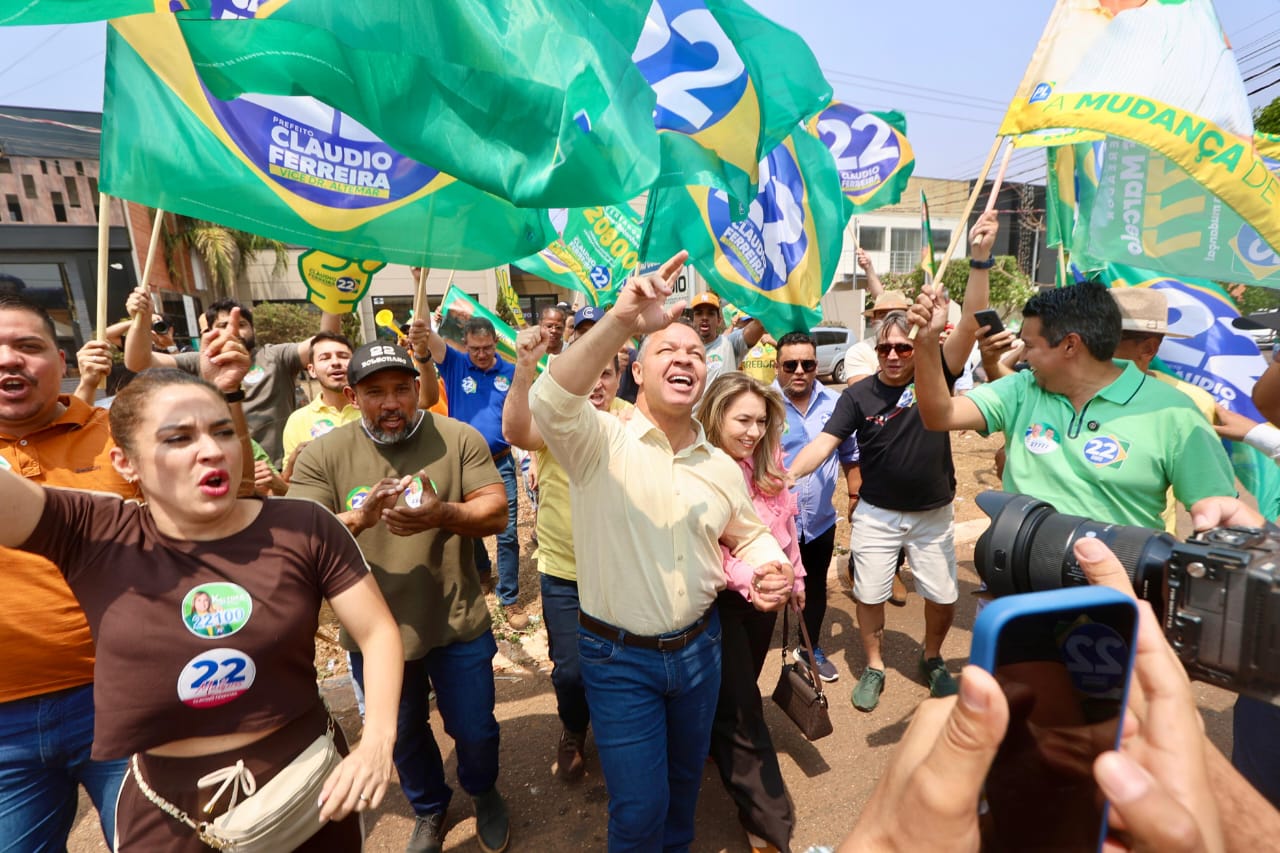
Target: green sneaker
866, 694
934, 672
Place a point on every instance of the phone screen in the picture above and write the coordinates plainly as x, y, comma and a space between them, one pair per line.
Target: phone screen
1065, 676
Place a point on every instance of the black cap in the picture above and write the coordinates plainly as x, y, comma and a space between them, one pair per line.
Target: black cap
372, 358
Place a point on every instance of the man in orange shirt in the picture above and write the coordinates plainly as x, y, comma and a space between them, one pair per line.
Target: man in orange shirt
46, 695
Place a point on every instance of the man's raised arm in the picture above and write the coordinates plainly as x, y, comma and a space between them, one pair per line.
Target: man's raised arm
517, 421
938, 409
138, 355
977, 293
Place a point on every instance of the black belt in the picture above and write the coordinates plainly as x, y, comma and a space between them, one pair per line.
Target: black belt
501, 453
668, 643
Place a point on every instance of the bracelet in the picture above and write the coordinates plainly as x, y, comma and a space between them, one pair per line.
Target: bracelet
982, 265
426, 360
236, 396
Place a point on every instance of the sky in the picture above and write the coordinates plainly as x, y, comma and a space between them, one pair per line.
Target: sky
950, 67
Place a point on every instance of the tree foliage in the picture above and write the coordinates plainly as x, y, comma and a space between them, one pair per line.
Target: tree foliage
1010, 288
224, 252
290, 322
1267, 119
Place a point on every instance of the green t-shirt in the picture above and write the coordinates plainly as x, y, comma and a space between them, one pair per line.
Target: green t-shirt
428, 579
1117, 458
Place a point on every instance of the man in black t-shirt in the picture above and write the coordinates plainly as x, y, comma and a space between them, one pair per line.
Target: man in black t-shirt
908, 482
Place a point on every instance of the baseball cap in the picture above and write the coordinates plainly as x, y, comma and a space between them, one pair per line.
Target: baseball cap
589, 314
1269, 319
373, 358
705, 298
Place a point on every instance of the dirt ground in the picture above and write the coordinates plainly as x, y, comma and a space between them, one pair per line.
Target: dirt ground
830, 781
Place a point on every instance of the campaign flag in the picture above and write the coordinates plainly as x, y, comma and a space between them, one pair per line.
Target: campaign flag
730, 85
290, 168
1162, 76
37, 12
336, 285
777, 262
927, 260
871, 151
457, 307
596, 252
1217, 357
534, 101
1151, 211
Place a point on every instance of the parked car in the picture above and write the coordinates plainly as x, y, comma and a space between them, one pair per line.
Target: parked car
832, 342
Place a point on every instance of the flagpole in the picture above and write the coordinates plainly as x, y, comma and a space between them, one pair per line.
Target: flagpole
104, 244
995, 186
964, 217
420, 291
151, 257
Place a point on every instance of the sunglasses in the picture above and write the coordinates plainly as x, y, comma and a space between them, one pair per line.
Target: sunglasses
900, 349
807, 365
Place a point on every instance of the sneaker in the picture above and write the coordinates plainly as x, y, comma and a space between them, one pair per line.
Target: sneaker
493, 823
826, 669
934, 672
569, 761
866, 695
517, 619
428, 834
898, 598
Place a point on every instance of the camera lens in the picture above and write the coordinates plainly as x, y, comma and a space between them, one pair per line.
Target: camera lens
159, 327
1028, 548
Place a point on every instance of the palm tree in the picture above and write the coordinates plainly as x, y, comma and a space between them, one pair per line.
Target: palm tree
224, 252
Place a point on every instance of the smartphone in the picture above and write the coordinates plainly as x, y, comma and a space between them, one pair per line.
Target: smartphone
1063, 659
989, 317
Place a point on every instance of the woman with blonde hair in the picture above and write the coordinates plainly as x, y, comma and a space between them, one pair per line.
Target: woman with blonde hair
745, 418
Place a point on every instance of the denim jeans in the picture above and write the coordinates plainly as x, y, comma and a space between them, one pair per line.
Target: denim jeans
462, 675
1255, 749
560, 615
508, 542
652, 712
44, 757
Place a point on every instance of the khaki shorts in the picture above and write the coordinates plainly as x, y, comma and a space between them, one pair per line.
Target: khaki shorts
929, 538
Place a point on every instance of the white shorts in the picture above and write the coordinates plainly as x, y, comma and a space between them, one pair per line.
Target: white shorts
929, 538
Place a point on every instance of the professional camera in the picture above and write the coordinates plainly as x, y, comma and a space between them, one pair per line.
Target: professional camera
1217, 595
161, 327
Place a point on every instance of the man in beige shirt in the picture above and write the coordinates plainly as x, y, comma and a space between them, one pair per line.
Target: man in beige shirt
651, 501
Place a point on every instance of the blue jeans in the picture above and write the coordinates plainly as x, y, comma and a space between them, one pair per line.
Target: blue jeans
508, 541
652, 713
462, 675
44, 757
1255, 749
560, 614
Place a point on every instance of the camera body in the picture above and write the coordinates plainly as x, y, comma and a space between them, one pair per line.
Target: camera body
1217, 595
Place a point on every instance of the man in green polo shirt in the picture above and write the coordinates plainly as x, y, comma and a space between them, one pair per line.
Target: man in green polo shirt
1092, 436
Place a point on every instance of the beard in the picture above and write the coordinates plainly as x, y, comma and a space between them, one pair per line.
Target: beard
385, 436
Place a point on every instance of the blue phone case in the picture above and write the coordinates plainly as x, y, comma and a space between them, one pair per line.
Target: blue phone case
997, 615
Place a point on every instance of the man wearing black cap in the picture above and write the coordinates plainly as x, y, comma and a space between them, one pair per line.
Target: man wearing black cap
417, 490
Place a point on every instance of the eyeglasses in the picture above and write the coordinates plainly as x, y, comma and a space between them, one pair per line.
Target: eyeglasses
806, 365
900, 349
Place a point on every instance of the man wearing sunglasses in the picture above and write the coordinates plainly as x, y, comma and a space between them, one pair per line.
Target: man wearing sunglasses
908, 482
809, 405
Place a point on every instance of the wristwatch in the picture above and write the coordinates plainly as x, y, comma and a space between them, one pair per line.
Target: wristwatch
982, 265
236, 396
426, 360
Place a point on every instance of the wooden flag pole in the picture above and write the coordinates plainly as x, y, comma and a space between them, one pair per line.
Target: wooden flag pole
995, 185
151, 259
964, 217
104, 245
420, 292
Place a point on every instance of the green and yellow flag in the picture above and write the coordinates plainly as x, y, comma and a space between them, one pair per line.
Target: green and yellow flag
594, 255
290, 168
37, 12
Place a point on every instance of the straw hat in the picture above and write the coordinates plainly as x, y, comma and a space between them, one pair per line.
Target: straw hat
1143, 309
890, 300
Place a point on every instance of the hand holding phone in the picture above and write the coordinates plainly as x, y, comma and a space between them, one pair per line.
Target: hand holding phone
989, 317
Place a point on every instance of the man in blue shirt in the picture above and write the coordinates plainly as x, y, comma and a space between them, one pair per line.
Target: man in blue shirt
476, 384
808, 405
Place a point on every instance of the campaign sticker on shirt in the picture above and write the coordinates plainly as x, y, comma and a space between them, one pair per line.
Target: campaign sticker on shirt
1041, 439
216, 609
501, 383
255, 375
1095, 656
321, 427
468, 385
714, 360
215, 678
1106, 451
357, 496
908, 398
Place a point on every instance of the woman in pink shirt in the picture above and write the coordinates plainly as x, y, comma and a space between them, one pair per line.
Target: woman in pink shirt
745, 418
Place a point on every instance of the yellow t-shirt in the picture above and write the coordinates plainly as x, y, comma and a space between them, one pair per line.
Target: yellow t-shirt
555, 524
761, 362
1205, 403
314, 420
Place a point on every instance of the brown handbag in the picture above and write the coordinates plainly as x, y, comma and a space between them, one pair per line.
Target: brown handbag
799, 691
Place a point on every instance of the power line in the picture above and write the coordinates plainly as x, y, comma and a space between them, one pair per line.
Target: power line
992, 101
52, 35
896, 89
57, 73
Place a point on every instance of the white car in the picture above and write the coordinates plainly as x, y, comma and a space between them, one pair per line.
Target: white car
832, 342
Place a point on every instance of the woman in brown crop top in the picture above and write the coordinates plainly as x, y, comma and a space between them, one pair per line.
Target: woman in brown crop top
203, 608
